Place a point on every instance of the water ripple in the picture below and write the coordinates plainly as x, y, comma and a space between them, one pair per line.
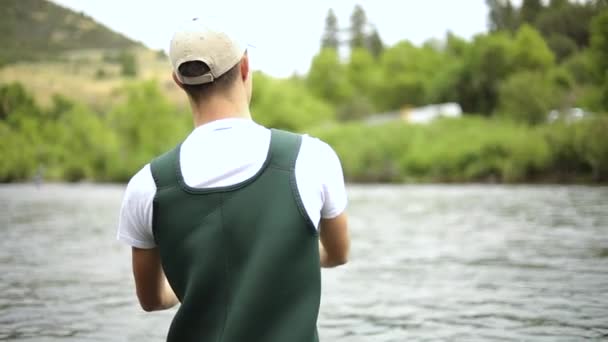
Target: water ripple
429, 263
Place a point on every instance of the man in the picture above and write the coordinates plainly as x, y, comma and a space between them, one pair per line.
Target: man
235, 222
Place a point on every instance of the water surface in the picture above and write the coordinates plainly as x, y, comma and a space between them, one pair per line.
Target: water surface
455, 263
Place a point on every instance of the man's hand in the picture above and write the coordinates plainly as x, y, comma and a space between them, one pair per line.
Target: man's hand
153, 289
334, 243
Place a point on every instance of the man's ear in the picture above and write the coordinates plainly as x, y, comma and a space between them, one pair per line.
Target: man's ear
176, 80
245, 67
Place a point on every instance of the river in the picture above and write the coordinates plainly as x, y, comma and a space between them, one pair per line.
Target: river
428, 263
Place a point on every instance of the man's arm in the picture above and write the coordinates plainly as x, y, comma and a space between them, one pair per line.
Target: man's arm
153, 289
334, 243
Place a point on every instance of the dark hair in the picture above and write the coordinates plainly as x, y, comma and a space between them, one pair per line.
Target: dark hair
200, 92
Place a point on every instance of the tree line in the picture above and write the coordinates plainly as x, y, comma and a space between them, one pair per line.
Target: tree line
506, 80
559, 51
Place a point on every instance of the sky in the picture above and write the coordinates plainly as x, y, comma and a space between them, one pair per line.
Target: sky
285, 35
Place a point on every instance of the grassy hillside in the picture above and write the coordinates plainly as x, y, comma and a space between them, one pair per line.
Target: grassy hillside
72, 55
35, 30
91, 77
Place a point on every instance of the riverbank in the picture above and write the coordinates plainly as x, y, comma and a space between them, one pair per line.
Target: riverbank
71, 142
473, 149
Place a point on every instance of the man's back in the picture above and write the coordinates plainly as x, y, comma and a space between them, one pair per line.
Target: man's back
235, 222
243, 259
234, 213
227, 152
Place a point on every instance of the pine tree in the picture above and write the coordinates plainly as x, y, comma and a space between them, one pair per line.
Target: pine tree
510, 17
375, 44
530, 9
503, 15
330, 36
358, 21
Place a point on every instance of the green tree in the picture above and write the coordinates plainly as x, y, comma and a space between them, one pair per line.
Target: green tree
287, 104
15, 100
487, 62
591, 144
128, 64
362, 72
569, 20
531, 52
443, 87
530, 9
555, 4
455, 46
599, 51
527, 97
147, 124
581, 67
358, 22
327, 78
375, 44
364, 76
562, 46
330, 38
407, 72
83, 148
599, 45
503, 15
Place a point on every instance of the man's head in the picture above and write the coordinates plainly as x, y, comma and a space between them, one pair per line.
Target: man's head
210, 64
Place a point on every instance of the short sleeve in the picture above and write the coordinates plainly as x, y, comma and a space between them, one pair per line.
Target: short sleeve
135, 220
332, 182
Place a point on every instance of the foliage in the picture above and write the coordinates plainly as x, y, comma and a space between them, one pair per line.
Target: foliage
128, 64
363, 34
503, 15
580, 148
327, 79
487, 63
562, 46
147, 124
562, 23
330, 39
287, 104
70, 142
599, 43
581, 67
471, 149
358, 22
375, 44
14, 100
407, 72
364, 76
530, 10
530, 52
537, 57
527, 97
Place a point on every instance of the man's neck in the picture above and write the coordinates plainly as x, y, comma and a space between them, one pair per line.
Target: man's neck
218, 109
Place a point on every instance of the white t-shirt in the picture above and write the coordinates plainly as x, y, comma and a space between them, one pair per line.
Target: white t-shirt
227, 152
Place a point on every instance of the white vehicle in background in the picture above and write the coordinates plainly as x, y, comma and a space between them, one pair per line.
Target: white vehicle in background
568, 115
419, 115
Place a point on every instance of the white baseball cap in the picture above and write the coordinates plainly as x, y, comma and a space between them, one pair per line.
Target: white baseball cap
195, 41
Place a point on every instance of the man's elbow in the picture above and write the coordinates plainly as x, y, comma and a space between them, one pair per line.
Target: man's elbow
338, 260
150, 306
150, 303
342, 260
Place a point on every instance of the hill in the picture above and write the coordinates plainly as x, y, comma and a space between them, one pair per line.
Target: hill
33, 30
72, 54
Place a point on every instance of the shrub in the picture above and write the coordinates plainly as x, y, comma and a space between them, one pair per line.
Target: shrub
527, 97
